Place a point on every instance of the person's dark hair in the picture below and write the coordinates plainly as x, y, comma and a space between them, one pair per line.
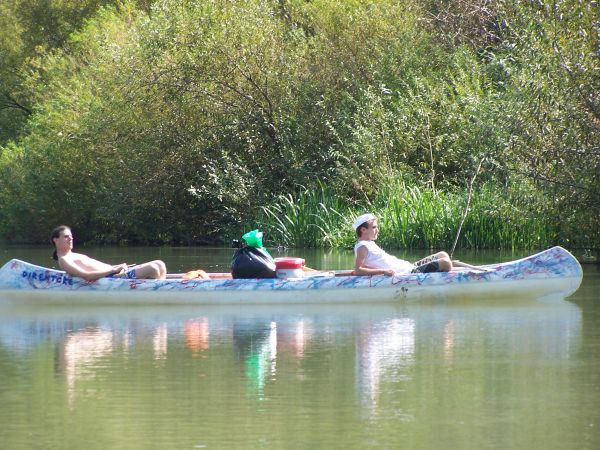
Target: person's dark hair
56, 234
364, 225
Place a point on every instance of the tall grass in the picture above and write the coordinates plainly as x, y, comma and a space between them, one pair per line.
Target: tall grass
410, 217
313, 218
416, 217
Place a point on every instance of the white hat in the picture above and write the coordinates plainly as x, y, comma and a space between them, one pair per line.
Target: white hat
362, 219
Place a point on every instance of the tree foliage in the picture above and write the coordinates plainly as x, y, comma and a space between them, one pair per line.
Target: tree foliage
174, 121
32, 30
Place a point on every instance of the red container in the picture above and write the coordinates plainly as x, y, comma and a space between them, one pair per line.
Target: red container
289, 267
289, 263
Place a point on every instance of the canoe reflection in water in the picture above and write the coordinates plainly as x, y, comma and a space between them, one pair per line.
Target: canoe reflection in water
399, 351
431, 347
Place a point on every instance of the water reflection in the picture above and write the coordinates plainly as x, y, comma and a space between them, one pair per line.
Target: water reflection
449, 339
196, 332
395, 352
159, 341
384, 352
294, 337
80, 354
255, 347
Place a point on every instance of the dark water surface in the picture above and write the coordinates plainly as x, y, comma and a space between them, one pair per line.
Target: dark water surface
471, 375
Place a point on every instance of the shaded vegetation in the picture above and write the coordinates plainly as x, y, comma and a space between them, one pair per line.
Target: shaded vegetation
181, 122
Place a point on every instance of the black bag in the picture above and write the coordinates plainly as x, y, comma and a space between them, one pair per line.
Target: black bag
251, 262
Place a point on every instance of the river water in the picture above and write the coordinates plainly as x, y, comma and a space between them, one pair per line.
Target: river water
470, 375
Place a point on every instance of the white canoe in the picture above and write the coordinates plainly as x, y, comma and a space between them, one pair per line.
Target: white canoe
551, 273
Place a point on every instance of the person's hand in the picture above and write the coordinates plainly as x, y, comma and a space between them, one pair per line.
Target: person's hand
120, 269
388, 272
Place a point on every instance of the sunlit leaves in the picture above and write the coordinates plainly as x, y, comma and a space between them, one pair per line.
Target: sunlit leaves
182, 119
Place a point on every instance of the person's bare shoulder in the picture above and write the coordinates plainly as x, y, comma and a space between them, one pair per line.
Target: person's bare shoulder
65, 262
71, 259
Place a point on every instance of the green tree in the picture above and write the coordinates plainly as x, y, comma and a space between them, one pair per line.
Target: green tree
176, 121
30, 30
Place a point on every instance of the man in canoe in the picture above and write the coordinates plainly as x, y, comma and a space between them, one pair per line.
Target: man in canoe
372, 260
79, 265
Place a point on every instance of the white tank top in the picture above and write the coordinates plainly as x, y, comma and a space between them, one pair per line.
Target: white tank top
377, 258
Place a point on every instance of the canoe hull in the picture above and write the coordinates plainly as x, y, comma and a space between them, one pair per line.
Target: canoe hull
554, 272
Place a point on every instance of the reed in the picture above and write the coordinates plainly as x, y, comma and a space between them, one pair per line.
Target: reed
312, 218
409, 217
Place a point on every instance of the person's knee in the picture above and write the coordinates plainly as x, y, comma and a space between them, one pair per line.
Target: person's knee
159, 268
445, 263
153, 269
162, 268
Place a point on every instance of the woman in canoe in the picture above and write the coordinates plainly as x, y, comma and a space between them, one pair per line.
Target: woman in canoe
79, 265
372, 260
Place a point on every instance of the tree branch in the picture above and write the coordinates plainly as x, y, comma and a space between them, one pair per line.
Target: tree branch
11, 103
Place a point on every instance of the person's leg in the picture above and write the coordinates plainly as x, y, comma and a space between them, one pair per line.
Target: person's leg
444, 261
438, 262
153, 269
162, 269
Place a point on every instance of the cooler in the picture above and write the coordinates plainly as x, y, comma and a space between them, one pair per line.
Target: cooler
289, 267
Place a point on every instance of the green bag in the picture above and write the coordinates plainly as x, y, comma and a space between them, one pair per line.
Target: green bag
254, 239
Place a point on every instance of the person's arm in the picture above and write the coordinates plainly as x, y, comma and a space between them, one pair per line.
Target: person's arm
77, 270
361, 269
